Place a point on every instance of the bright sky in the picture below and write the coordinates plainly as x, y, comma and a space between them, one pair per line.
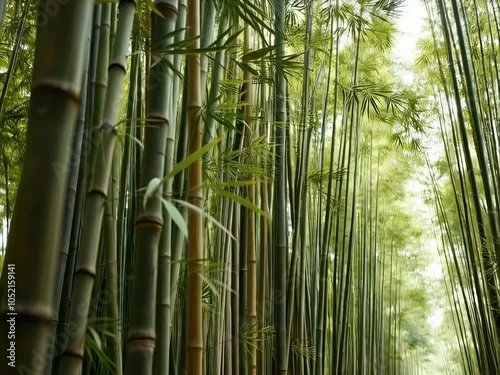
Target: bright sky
411, 25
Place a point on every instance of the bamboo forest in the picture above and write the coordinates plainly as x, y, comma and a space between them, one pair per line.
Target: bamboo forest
250, 187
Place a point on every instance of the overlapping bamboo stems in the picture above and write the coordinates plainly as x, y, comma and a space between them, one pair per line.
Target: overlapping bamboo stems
126, 210
177, 322
111, 311
228, 297
321, 321
350, 210
100, 85
488, 275
223, 332
207, 30
71, 359
217, 70
475, 266
481, 155
470, 241
67, 284
280, 226
149, 222
72, 210
164, 308
251, 260
338, 262
180, 187
362, 263
467, 235
299, 220
263, 364
219, 339
480, 145
447, 238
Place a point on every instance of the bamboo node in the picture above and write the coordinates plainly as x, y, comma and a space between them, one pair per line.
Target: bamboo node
149, 222
143, 341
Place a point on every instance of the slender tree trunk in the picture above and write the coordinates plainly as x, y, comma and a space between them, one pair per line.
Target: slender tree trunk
280, 216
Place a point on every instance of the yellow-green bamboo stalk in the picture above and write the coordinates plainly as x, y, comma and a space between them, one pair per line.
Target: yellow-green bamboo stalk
251, 256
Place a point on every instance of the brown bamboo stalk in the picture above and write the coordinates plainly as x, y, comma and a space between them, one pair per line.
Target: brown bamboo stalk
194, 343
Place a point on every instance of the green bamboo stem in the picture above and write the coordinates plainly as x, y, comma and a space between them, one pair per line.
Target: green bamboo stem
319, 364
217, 68
235, 286
469, 166
242, 296
126, 195
82, 182
71, 360
280, 214
72, 209
111, 269
149, 222
207, 30
178, 239
262, 290
302, 164
38, 214
164, 307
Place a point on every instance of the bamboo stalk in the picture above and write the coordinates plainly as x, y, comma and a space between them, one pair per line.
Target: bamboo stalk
38, 214
194, 334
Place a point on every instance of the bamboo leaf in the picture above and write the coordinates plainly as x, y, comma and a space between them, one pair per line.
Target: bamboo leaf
95, 337
155, 9
208, 217
183, 164
153, 185
176, 216
241, 201
222, 185
209, 283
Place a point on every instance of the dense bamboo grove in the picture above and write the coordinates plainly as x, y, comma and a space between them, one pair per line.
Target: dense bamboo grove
248, 187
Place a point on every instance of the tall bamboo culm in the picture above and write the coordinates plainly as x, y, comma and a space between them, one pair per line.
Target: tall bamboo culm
32, 247
149, 222
194, 332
